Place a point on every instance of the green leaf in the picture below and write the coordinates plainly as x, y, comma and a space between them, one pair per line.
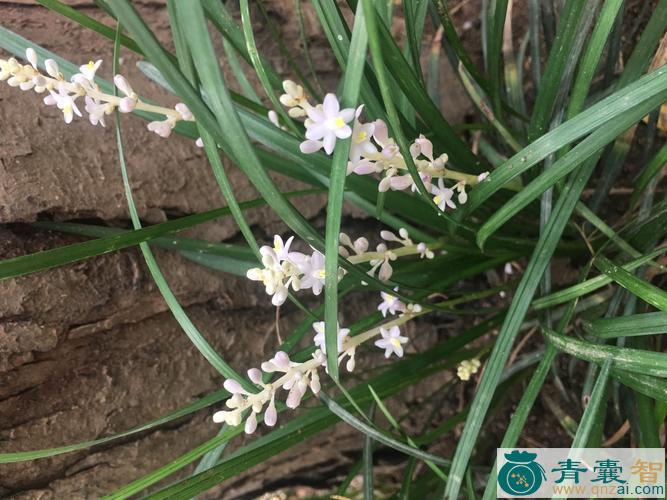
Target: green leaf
233, 259
586, 149
654, 168
379, 436
206, 401
260, 70
599, 115
592, 414
646, 291
589, 61
394, 423
351, 88
227, 26
632, 360
454, 41
628, 326
516, 314
590, 285
574, 21
494, 51
47, 259
174, 305
88, 22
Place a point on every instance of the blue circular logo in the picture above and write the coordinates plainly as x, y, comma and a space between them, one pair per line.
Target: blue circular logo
521, 475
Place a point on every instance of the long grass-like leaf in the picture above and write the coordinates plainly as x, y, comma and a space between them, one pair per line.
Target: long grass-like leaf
351, 89
646, 291
628, 326
539, 260
632, 360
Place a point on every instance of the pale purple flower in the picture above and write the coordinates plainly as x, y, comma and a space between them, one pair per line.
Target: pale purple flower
395, 183
390, 304
422, 146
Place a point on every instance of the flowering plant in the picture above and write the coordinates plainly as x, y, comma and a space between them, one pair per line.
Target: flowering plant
443, 253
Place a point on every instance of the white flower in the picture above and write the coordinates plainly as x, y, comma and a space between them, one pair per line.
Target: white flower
319, 338
392, 341
281, 248
362, 134
89, 70
328, 122
313, 272
272, 276
96, 111
483, 176
65, 102
508, 268
443, 196
199, 142
293, 94
467, 368
390, 304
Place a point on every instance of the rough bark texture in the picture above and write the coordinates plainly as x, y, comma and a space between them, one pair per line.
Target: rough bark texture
90, 349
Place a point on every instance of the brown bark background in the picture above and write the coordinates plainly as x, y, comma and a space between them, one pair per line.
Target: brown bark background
90, 349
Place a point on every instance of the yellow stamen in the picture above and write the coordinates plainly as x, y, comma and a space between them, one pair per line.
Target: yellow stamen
91, 64
437, 199
395, 342
339, 122
319, 274
361, 136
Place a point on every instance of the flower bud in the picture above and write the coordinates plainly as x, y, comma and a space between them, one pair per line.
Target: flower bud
251, 423
52, 68
31, 56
